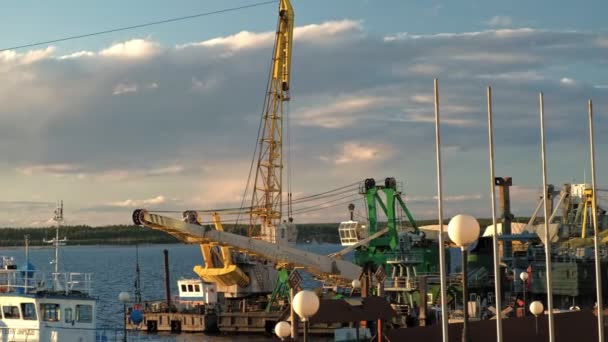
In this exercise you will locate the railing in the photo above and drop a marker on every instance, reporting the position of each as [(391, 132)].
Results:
[(18, 281)]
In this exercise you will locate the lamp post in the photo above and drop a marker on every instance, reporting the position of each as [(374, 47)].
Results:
[(306, 304), (282, 329), (524, 277), (463, 230), (356, 284), (124, 297), (536, 308)]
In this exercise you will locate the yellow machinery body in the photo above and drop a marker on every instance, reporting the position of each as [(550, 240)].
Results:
[(226, 274)]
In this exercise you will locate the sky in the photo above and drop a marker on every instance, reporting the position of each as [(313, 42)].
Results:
[(165, 117)]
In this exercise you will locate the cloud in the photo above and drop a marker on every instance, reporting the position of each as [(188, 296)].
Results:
[(129, 203), (518, 76), (447, 198), (364, 102), (424, 69), (121, 88), (352, 152), (81, 172), (29, 57), (134, 48), (313, 33), (338, 113), (568, 81), (78, 54), (499, 20), (55, 169)]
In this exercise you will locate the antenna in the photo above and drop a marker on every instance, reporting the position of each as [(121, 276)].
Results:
[(58, 218), (137, 277)]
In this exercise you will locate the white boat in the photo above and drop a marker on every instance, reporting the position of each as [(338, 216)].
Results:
[(38, 307)]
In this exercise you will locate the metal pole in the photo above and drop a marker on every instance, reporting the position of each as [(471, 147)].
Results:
[(497, 290), (596, 243), (124, 322), (442, 270), (465, 294), (293, 316), (525, 307), (167, 280), (305, 335), (547, 235)]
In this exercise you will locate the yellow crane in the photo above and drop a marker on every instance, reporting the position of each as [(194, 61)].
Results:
[(250, 275), (266, 199)]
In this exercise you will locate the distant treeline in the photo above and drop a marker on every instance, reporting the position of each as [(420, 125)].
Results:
[(130, 235)]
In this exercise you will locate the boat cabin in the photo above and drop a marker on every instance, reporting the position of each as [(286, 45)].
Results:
[(195, 291)]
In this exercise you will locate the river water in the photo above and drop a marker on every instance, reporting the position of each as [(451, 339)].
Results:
[(113, 269)]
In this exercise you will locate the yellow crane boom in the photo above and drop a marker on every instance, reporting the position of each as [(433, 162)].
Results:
[(320, 265)]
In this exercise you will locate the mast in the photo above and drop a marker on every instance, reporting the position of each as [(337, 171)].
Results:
[(266, 200), (58, 218), (137, 277)]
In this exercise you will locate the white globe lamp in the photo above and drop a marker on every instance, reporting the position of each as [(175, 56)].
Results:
[(282, 329), (536, 308), (463, 230), (523, 276), (356, 284), (306, 304), (124, 297)]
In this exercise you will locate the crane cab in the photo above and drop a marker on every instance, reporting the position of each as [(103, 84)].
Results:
[(351, 232)]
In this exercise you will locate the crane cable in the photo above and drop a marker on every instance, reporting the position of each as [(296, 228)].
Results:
[(326, 194)]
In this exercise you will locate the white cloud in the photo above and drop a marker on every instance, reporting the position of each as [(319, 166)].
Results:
[(499, 20), (167, 170), (204, 85), (424, 69), (422, 98), (430, 118), (29, 57), (339, 113), (498, 33), (515, 76), (49, 169), (325, 31), (495, 57), (314, 33), (130, 203), (78, 54), (448, 198), (134, 48), (122, 88), (568, 81), (353, 151)]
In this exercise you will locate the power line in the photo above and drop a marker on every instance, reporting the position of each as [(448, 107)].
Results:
[(125, 28)]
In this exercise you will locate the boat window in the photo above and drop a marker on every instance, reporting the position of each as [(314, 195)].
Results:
[(190, 289), (197, 288), (184, 288), (50, 312), (84, 313), (10, 311), (28, 310), (67, 312)]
